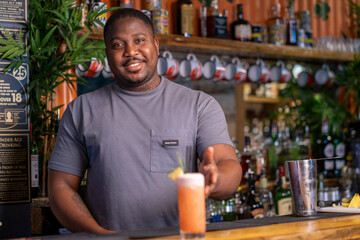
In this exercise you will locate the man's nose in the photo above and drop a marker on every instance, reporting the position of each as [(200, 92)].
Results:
[(131, 50)]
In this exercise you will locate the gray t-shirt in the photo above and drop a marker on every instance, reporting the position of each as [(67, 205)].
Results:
[(129, 140)]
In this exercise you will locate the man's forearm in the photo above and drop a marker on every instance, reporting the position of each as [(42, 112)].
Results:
[(228, 180), (72, 213)]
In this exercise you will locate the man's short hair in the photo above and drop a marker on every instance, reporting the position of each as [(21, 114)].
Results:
[(127, 12)]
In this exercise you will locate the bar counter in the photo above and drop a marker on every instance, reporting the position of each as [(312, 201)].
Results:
[(322, 226)]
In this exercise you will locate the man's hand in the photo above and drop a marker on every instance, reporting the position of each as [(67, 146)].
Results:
[(221, 169), (210, 171)]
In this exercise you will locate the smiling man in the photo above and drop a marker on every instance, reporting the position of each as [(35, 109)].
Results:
[(127, 135)]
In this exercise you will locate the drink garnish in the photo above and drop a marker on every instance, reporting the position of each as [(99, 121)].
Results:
[(175, 173)]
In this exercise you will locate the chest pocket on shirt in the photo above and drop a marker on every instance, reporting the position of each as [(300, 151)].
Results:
[(164, 145)]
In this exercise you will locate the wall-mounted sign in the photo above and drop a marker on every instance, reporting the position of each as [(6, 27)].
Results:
[(14, 168), (14, 11), (14, 99)]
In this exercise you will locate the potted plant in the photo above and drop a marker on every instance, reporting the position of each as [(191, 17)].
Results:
[(55, 48)]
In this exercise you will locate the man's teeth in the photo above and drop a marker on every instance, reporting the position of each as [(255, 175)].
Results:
[(134, 64)]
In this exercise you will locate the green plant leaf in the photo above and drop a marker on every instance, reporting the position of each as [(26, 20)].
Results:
[(47, 37), (322, 9)]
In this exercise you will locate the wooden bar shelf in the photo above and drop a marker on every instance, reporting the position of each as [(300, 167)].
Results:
[(200, 45)]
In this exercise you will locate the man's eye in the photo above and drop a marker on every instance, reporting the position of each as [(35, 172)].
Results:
[(117, 45), (139, 40)]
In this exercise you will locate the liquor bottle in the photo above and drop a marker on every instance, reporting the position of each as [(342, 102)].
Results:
[(273, 151), (291, 29), (340, 150), (253, 202), (266, 197), (276, 26), (247, 160), (282, 195), (239, 204), (228, 214), (283, 144), (241, 28), (203, 21), (216, 24), (325, 150), (34, 166), (321, 187), (185, 16), (215, 210)]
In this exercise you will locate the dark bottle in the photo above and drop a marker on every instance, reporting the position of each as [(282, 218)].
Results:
[(239, 204), (340, 149), (34, 166), (247, 160), (291, 29), (216, 24), (253, 202), (326, 150), (282, 195), (241, 28), (184, 16)]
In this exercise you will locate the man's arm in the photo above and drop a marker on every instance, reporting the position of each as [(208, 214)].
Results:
[(68, 206), (221, 169)]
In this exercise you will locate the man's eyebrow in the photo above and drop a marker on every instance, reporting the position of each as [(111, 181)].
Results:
[(133, 35), (138, 34)]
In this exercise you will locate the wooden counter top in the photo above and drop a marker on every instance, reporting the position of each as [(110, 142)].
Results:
[(345, 227)]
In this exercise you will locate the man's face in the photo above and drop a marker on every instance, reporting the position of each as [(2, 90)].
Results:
[(132, 53)]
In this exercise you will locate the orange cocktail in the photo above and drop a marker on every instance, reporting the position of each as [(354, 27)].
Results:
[(191, 202)]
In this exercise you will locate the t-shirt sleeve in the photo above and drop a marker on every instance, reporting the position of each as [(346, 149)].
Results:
[(69, 154), (212, 126)]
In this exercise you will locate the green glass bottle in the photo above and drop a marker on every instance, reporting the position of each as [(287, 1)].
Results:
[(282, 196)]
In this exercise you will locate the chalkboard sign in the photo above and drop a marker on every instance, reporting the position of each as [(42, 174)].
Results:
[(14, 99), (14, 11), (14, 168)]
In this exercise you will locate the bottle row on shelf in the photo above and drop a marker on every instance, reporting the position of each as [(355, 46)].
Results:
[(272, 140), (257, 202)]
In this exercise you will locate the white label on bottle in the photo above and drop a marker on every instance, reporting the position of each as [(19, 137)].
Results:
[(340, 150), (243, 31), (329, 165), (340, 163), (329, 150), (285, 206), (34, 170)]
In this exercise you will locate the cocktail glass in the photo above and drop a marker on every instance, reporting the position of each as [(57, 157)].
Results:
[(191, 203)]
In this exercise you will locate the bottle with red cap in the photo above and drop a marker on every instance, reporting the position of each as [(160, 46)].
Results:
[(282, 195)]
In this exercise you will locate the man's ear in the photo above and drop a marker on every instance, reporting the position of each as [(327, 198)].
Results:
[(156, 42)]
